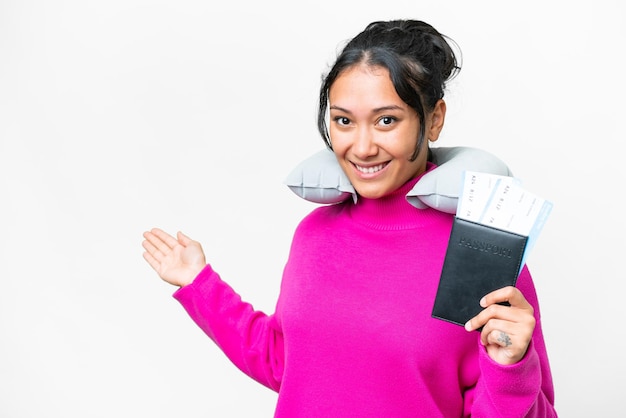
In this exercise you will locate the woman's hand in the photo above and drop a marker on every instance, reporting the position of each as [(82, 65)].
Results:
[(177, 260), (507, 330)]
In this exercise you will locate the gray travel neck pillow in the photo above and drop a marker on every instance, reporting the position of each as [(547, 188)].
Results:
[(320, 179)]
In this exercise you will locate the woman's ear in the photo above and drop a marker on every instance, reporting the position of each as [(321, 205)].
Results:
[(437, 119)]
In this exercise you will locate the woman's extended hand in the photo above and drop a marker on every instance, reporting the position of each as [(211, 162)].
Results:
[(177, 260), (507, 330)]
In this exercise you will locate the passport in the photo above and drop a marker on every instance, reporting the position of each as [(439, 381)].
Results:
[(496, 224), (478, 260)]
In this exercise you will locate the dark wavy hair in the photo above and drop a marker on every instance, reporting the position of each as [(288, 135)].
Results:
[(420, 61)]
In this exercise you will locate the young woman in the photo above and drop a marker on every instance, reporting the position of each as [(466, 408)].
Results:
[(352, 334)]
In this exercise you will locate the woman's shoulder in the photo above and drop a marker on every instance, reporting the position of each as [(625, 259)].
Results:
[(323, 215)]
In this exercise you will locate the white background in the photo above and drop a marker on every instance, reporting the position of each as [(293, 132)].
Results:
[(122, 115)]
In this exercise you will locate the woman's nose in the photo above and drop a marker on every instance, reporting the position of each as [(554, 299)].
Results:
[(364, 145)]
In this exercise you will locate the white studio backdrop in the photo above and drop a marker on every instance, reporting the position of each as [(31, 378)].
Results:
[(119, 116)]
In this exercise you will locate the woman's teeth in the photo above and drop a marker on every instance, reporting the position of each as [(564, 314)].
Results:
[(370, 170)]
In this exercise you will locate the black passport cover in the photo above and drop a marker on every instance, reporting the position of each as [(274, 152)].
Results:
[(479, 259)]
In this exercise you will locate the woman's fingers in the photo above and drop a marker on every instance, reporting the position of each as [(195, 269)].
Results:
[(158, 245), (498, 331), (153, 262), (509, 294), (177, 261), (501, 312), (163, 241), (506, 303), (507, 322), (506, 342), (183, 239), (169, 240), (153, 253)]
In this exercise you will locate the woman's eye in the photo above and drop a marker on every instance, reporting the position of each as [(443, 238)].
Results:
[(342, 120), (386, 120)]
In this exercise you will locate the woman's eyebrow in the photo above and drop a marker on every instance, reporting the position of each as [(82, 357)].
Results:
[(376, 110), (339, 108)]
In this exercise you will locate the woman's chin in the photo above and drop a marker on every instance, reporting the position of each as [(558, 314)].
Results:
[(369, 192)]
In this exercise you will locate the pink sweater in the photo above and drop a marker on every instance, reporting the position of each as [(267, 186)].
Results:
[(352, 334)]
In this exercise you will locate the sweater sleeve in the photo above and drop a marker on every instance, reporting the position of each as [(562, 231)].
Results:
[(251, 339), (524, 389)]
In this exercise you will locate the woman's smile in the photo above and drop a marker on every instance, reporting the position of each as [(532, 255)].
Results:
[(368, 170)]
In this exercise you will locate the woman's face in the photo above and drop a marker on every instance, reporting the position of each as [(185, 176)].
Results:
[(374, 133)]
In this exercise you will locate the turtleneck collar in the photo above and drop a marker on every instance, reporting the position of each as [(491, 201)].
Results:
[(393, 211)]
